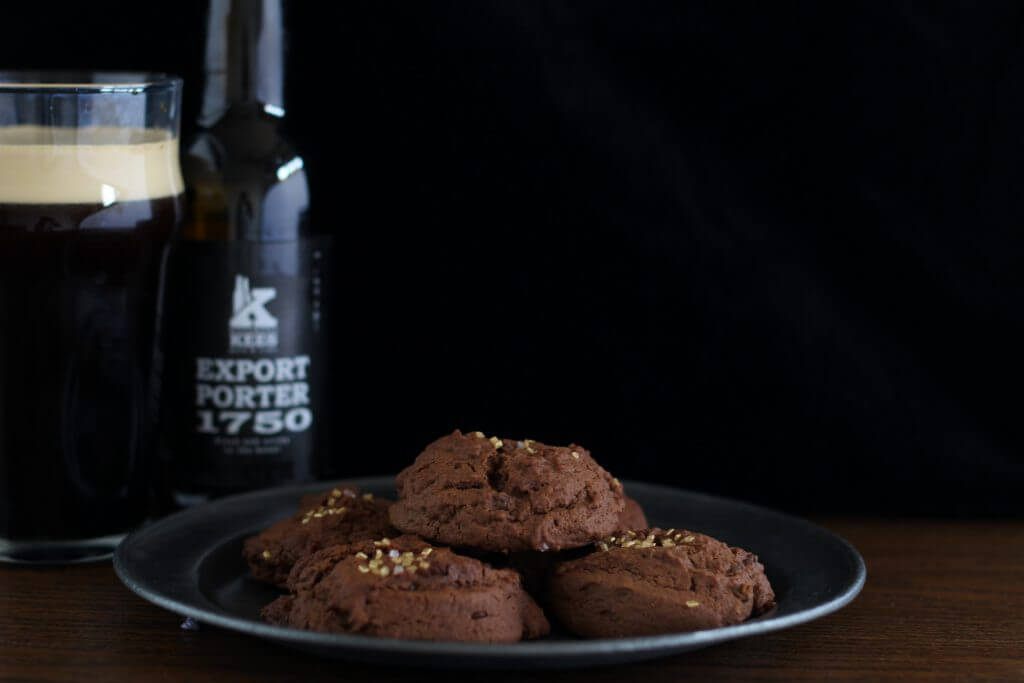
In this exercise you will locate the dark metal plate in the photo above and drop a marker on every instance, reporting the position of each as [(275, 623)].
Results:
[(190, 563)]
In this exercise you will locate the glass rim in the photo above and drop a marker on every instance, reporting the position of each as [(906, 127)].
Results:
[(85, 82)]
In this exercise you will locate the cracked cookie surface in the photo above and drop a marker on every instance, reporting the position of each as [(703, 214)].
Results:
[(650, 581), (341, 515), (406, 588), (506, 495)]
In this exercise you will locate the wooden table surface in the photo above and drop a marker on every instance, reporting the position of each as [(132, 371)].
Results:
[(943, 601)]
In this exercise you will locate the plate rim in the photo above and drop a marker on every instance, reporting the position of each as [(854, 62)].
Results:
[(662, 643)]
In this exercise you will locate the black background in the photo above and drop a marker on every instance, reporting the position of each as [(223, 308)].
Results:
[(767, 250)]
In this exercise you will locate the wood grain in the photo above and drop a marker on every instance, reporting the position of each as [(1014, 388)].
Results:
[(943, 601)]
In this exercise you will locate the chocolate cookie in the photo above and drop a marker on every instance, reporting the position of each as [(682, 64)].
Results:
[(506, 495), (653, 581), (406, 588), (632, 516), (534, 566), (342, 515)]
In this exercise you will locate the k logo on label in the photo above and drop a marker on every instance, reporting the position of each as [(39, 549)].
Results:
[(248, 305), (252, 326)]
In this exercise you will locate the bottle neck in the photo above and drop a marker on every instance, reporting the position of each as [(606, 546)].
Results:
[(244, 59)]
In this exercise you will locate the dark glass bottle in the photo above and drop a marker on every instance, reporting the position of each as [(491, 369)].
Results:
[(243, 327)]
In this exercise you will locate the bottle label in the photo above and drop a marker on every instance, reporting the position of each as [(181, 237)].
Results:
[(242, 345)]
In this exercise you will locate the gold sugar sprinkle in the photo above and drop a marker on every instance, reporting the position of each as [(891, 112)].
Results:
[(384, 571), (631, 539), (361, 555), (688, 539), (496, 442), (266, 555), (426, 551), (377, 555), (363, 568), (306, 520), (478, 435), (424, 565), (367, 496), (692, 603), (336, 493)]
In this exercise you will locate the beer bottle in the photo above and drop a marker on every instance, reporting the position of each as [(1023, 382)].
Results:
[(243, 325)]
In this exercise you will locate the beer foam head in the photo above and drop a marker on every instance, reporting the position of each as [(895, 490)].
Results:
[(102, 165)]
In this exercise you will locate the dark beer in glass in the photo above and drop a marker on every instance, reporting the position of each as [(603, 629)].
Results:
[(90, 192)]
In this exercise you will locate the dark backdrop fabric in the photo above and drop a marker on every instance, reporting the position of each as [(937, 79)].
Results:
[(766, 250)]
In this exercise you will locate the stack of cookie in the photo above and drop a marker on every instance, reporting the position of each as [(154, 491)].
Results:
[(484, 532)]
